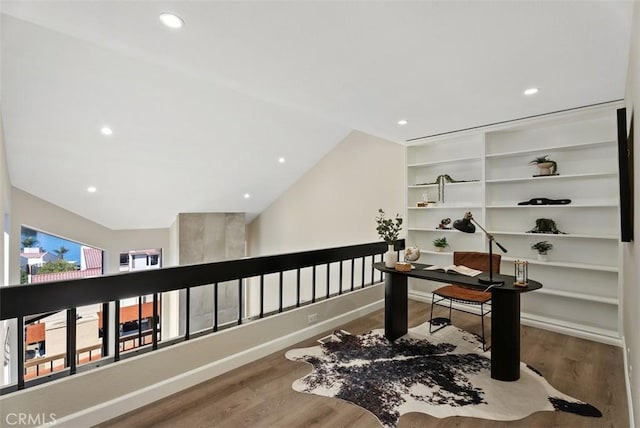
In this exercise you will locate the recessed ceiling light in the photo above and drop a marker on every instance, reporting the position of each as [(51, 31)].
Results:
[(531, 91), (282, 160), (402, 122), (106, 130), (171, 20), (247, 196), (91, 189)]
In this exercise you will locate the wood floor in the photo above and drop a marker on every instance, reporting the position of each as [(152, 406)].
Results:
[(260, 395)]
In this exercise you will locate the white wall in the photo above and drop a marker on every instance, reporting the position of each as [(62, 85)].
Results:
[(631, 251), (336, 202), (39, 214)]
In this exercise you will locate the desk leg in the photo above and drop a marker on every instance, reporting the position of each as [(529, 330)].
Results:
[(505, 336), (395, 306)]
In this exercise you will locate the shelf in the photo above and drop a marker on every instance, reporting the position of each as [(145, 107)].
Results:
[(579, 296), (433, 229), (572, 205), (461, 183), (438, 253), (548, 149), (456, 160), (556, 235), (442, 207), (552, 177), (585, 266)]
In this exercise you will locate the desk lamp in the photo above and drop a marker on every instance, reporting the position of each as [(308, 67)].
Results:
[(465, 225)]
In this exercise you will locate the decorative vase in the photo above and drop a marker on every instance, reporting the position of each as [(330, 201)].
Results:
[(542, 257), (439, 249), (390, 257), (545, 168)]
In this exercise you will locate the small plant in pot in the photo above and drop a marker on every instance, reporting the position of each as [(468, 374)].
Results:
[(546, 165), (440, 243), (542, 248)]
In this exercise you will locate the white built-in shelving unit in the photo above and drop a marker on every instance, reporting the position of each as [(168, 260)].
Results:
[(581, 277)]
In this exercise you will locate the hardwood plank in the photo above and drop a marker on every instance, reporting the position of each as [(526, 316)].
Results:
[(259, 394)]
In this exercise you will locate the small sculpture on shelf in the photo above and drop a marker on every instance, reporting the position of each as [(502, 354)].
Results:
[(542, 247), (545, 165), (440, 243), (444, 223), (545, 225), (441, 180)]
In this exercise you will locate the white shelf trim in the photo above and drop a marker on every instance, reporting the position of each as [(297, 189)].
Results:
[(460, 183), (572, 205), (443, 207), (552, 148), (552, 177), (603, 268), (559, 235), (571, 295), (470, 158)]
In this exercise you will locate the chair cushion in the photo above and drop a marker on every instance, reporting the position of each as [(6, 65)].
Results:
[(464, 295)]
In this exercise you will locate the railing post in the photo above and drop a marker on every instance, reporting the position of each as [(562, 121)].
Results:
[(261, 296), (140, 339), (240, 305), (280, 291), (187, 312), (116, 331), (215, 306), (340, 290), (313, 285), (20, 353), (297, 288), (353, 267), (71, 340), (154, 340), (328, 280), (105, 330)]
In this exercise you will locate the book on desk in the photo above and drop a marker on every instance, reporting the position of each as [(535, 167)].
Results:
[(455, 269)]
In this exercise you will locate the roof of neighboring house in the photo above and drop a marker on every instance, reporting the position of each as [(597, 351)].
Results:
[(62, 276), (32, 255), (92, 258)]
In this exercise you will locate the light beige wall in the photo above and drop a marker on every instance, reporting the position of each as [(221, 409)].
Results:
[(5, 198), (5, 208), (336, 202), (631, 251), (39, 214)]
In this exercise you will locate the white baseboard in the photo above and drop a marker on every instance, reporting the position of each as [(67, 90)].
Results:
[(551, 324), (129, 402)]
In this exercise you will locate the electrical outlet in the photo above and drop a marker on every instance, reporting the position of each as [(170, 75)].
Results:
[(312, 318)]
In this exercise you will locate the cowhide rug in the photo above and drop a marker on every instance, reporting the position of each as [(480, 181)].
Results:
[(441, 374)]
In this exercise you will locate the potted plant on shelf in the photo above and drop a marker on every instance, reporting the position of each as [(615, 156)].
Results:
[(546, 165), (542, 248), (440, 243), (388, 229)]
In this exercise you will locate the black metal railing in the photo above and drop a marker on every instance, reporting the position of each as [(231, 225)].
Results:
[(27, 302)]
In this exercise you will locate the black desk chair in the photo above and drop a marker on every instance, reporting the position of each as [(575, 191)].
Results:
[(467, 296)]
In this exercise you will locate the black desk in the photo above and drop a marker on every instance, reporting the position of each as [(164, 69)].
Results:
[(505, 313)]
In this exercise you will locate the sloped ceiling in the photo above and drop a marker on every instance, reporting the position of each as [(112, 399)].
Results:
[(201, 115)]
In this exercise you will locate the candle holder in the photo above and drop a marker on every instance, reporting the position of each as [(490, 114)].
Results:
[(521, 272)]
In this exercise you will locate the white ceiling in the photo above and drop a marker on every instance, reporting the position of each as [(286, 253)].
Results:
[(202, 114)]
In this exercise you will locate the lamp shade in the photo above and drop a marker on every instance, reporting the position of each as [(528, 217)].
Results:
[(464, 224)]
